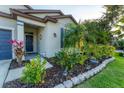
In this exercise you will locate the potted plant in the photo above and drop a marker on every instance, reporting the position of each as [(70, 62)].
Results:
[(18, 49)]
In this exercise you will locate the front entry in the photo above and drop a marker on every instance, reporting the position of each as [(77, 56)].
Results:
[(29, 42)]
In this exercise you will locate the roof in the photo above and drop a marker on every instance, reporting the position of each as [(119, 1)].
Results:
[(64, 16), (6, 15), (29, 7), (27, 11), (44, 20)]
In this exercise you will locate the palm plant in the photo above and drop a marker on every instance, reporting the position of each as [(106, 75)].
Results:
[(73, 35), (93, 36), (94, 32)]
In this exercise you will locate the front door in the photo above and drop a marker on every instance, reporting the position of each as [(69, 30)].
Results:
[(29, 43)]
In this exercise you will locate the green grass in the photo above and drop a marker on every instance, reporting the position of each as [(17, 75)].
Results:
[(111, 77)]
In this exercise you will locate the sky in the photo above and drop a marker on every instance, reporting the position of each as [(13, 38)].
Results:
[(79, 12)]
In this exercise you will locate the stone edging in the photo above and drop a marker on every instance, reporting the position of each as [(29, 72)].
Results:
[(84, 76)]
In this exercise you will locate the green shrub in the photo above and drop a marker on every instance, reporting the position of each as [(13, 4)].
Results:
[(121, 54), (109, 50), (99, 51), (34, 71), (68, 58)]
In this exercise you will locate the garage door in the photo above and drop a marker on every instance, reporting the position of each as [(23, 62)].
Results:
[(5, 46)]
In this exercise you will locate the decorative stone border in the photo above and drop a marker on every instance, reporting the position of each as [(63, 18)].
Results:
[(84, 76)]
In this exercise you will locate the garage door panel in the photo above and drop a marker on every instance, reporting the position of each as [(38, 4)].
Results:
[(5, 56), (5, 46), (4, 32), (4, 38)]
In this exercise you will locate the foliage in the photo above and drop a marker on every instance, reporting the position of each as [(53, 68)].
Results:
[(89, 33), (93, 33), (99, 51), (114, 19), (34, 71), (109, 50), (110, 17), (73, 35), (119, 44), (68, 58), (118, 29), (121, 54), (18, 48)]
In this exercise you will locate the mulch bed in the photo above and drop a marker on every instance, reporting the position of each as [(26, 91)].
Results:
[(53, 77)]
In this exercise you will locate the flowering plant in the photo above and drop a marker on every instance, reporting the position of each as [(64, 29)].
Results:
[(18, 49)]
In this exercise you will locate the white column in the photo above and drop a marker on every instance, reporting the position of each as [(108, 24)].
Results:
[(20, 32)]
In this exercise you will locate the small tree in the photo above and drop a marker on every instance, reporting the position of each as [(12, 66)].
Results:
[(73, 36), (18, 49)]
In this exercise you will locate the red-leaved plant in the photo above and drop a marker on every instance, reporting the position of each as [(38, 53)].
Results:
[(18, 49)]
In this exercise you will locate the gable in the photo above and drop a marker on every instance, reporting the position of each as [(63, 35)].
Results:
[(6, 8)]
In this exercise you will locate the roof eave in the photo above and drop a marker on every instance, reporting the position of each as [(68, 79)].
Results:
[(29, 7), (6, 15), (66, 16)]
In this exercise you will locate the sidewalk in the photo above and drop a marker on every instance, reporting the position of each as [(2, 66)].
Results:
[(4, 66)]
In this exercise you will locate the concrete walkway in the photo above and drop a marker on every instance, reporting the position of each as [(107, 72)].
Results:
[(119, 51), (4, 66), (17, 73)]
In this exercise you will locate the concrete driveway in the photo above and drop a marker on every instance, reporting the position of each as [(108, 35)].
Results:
[(4, 66)]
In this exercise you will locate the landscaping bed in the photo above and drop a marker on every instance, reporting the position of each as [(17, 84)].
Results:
[(111, 77), (53, 77)]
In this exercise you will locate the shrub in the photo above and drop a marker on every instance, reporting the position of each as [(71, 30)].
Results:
[(109, 50), (99, 51), (121, 44), (34, 71), (121, 54), (68, 58)]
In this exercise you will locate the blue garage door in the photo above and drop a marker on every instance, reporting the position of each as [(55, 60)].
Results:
[(5, 46)]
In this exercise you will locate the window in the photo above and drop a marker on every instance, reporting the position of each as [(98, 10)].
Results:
[(62, 37)]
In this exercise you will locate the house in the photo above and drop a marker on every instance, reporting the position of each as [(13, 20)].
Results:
[(41, 30)]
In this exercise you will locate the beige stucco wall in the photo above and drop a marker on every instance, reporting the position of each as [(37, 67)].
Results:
[(30, 21), (50, 44), (45, 14), (5, 8)]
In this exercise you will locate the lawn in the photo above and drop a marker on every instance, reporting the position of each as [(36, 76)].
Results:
[(111, 77)]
